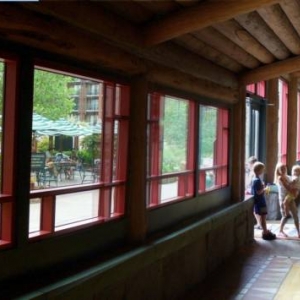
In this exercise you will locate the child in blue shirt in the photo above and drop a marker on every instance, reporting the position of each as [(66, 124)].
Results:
[(260, 205)]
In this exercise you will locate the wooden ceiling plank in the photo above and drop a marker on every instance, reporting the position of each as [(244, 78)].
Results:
[(128, 40), (29, 28), (109, 26), (186, 3), (292, 10), (275, 17), (20, 25), (128, 10), (195, 45), (197, 17), (181, 81), (218, 41), (159, 7), (256, 26), (237, 34), (271, 71), (171, 55)]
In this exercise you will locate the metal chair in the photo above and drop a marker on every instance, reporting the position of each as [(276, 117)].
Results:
[(89, 173)]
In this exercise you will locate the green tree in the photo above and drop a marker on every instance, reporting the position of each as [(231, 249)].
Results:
[(90, 148), (52, 95), (208, 125), (175, 134)]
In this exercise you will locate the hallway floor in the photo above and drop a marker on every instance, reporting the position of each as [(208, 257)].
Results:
[(263, 270)]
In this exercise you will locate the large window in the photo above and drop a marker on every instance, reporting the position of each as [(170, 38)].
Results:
[(78, 164), (172, 156), (170, 149)]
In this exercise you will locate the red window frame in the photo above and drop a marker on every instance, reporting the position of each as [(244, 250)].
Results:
[(298, 126), (251, 88), (258, 88), (7, 196), (155, 176), (112, 170), (283, 115), (261, 89)]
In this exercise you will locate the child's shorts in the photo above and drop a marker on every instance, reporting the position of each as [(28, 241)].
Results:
[(289, 198), (260, 208)]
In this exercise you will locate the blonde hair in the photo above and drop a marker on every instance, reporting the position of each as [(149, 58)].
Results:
[(258, 166), (252, 160), (296, 170), (278, 171)]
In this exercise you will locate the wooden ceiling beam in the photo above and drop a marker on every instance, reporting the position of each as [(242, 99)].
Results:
[(217, 40), (280, 24), (292, 10), (176, 57), (180, 81), (200, 48), (167, 54), (251, 22), (238, 35), (99, 21), (19, 25), (197, 17), (271, 71)]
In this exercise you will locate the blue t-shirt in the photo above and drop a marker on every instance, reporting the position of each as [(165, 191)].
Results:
[(259, 199)]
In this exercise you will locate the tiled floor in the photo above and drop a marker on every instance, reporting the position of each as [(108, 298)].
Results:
[(263, 270)]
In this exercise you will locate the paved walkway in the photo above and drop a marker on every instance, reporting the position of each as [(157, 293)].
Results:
[(262, 270)]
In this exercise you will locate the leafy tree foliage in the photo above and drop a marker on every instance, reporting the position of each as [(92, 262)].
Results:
[(52, 95), (90, 148), (208, 125), (175, 134)]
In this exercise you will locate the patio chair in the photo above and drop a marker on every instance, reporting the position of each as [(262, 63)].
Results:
[(89, 173), (46, 176)]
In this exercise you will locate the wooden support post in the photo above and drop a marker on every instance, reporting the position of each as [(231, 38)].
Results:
[(24, 88), (272, 129), (136, 191), (238, 146), (292, 123)]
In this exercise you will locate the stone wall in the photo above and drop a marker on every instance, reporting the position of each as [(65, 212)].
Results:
[(165, 268)]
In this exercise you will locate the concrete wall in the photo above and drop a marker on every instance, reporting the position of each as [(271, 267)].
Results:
[(164, 268)]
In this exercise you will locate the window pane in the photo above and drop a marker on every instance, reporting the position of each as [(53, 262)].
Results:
[(170, 136), (67, 126), (174, 124), (34, 215), (72, 208), (208, 129)]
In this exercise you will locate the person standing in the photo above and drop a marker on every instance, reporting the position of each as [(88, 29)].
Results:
[(248, 181), (260, 205), (283, 181)]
